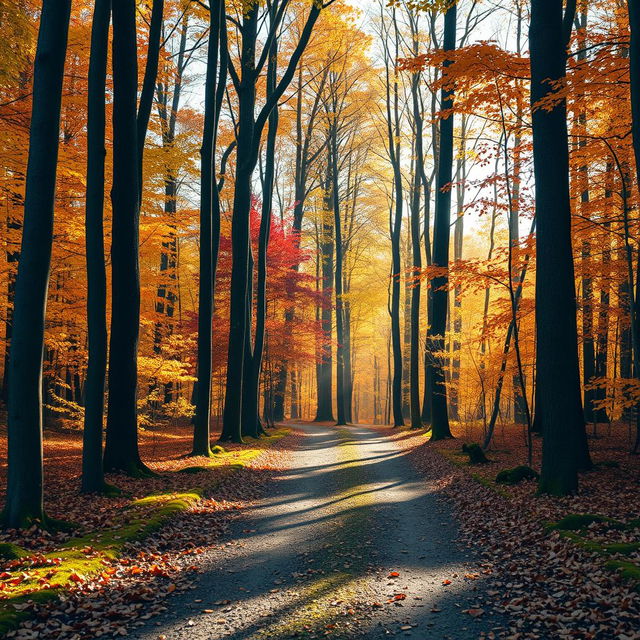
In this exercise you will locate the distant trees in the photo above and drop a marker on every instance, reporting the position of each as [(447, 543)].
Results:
[(314, 231), (249, 134)]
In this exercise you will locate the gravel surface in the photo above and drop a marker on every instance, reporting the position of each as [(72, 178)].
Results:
[(350, 543)]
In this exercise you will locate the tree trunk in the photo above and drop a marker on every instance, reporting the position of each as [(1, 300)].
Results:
[(558, 377), (253, 426), (324, 410), (215, 84), (121, 448), (442, 222), (23, 505), (92, 470)]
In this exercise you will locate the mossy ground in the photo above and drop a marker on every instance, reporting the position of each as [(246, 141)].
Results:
[(42, 577), (575, 526)]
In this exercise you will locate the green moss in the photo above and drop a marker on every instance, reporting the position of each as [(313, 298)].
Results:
[(10, 551), (633, 524), (516, 475), (84, 556), (193, 469), (580, 521), (485, 482), (475, 453), (628, 570), (217, 450)]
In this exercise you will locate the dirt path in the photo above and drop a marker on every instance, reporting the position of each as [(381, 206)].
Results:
[(319, 556)]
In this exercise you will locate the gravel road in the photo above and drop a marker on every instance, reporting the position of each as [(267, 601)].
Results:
[(350, 543)]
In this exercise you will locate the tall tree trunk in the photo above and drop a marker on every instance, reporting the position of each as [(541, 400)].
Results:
[(634, 59), (416, 246), (215, 85), (324, 410), (121, 447), (442, 222), (458, 238), (602, 329), (23, 505), (395, 223), (253, 426), (348, 358), (337, 224), (558, 378), (92, 470), (149, 83)]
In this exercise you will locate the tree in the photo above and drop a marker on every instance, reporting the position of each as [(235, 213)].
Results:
[(215, 86), (121, 446), (23, 505), (393, 150), (558, 376), (249, 133), (441, 231), (92, 471)]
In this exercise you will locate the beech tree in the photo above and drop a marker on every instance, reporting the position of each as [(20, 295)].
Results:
[(559, 406), (23, 505), (92, 473), (441, 233), (121, 446)]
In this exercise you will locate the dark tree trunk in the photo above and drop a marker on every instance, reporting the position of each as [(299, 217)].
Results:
[(23, 505), (339, 248), (278, 394), (395, 224), (634, 60), (252, 426), (558, 378), (215, 84), (92, 470), (121, 448), (602, 329), (441, 229), (416, 245), (324, 410), (149, 83), (348, 360)]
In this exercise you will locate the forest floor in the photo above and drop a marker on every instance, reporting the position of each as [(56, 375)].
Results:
[(357, 532)]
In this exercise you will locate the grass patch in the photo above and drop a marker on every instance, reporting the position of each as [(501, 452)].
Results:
[(581, 521), (628, 570), (45, 576), (573, 527), (10, 551)]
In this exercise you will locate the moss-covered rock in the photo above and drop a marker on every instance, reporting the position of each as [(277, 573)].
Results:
[(475, 453), (516, 475)]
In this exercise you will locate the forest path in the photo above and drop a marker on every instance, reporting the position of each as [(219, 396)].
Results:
[(315, 557)]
